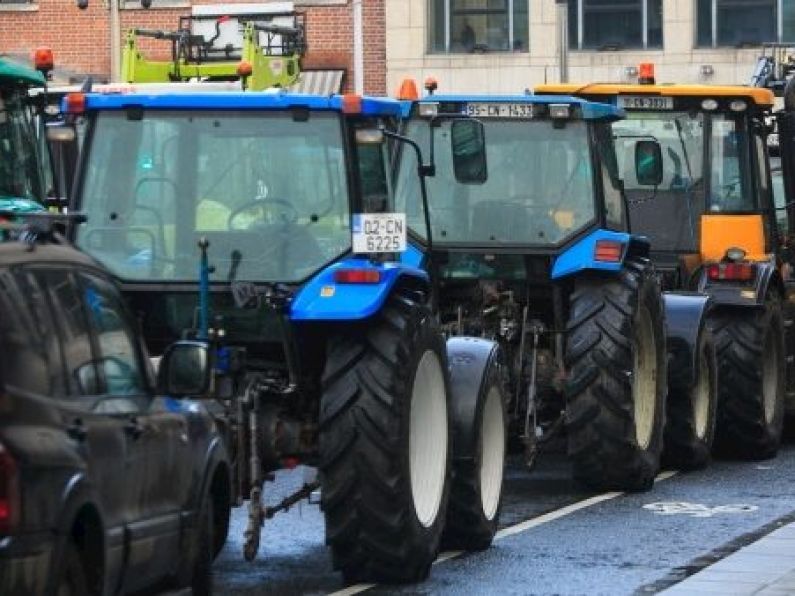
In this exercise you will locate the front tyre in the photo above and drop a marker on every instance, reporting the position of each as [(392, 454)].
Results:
[(615, 353), (476, 494), (385, 444)]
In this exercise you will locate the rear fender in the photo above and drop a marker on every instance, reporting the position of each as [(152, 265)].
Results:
[(323, 299), (471, 361), (768, 279), (685, 317), (580, 256)]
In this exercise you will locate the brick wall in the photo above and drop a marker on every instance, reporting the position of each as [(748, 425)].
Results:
[(79, 38)]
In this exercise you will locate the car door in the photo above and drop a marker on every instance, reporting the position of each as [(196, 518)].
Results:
[(101, 440), (160, 433)]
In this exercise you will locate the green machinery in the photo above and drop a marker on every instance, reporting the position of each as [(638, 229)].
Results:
[(270, 55)]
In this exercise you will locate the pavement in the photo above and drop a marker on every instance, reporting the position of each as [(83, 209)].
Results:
[(764, 568)]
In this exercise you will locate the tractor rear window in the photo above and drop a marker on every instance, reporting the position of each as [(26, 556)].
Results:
[(268, 192), (540, 186)]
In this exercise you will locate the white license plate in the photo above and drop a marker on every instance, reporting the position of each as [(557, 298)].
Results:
[(498, 110), (379, 232), (645, 102)]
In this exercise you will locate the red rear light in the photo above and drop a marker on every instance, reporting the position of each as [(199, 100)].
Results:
[(731, 271), (75, 103), (9, 492), (608, 251), (357, 276)]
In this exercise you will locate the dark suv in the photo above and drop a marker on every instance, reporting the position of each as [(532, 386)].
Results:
[(106, 486)]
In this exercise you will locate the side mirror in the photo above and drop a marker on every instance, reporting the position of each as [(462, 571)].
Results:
[(648, 163), (468, 142), (184, 370)]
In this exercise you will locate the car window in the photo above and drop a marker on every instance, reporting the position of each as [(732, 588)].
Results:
[(118, 358), (24, 360), (73, 330)]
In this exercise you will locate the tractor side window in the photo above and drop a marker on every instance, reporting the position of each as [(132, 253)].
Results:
[(373, 180), (730, 185)]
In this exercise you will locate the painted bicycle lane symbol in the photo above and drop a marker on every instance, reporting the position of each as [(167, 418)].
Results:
[(697, 509)]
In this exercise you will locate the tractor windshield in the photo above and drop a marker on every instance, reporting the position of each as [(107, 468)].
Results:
[(21, 169), (266, 190), (669, 213), (540, 186)]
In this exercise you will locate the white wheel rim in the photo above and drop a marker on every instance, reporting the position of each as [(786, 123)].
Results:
[(428, 439), (492, 454), (644, 379), (702, 394), (770, 378)]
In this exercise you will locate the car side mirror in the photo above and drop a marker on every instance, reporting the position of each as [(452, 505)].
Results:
[(468, 143), (648, 163), (184, 370)]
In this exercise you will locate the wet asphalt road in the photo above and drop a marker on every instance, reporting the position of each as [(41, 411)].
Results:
[(611, 544)]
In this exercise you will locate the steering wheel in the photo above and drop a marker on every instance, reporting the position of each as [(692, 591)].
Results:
[(287, 212)]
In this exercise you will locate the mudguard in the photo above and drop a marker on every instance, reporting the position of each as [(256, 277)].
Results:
[(323, 299), (580, 256), (685, 317), (471, 360), (753, 296)]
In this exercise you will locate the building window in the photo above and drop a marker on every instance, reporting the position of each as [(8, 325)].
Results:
[(615, 24), (744, 22), (467, 26)]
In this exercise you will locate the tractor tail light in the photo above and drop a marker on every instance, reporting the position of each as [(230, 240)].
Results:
[(357, 276), (75, 103), (731, 271), (9, 492), (608, 251)]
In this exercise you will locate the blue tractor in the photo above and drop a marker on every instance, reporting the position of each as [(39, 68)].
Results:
[(539, 257), (314, 341)]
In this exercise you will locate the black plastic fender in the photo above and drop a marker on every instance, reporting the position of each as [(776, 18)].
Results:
[(471, 361), (730, 294), (685, 317)]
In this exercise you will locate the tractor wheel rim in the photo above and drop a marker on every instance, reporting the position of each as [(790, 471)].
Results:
[(770, 377), (492, 455), (428, 439), (644, 379), (702, 394)]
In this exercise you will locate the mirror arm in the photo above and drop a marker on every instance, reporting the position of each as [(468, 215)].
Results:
[(423, 170)]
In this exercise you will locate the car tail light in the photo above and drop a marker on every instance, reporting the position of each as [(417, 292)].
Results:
[(9, 492), (608, 251), (731, 271), (357, 276)]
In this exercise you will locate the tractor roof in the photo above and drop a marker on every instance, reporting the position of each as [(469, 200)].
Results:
[(590, 110), (760, 97), (13, 72), (251, 100)]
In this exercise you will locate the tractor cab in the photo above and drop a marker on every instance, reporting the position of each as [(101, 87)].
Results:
[(25, 176), (706, 147)]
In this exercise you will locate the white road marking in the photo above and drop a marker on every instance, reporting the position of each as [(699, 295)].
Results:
[(696, 509), (516, 529)]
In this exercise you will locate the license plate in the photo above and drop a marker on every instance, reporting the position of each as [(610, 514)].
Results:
[(498, 110), (379, 232), (645, 102)]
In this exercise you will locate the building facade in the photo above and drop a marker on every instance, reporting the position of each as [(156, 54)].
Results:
[(509, 45), (80, 39)]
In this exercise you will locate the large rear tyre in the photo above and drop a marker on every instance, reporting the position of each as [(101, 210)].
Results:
[(385, 444), (692, 410), (476, 494), (751, 368), (615, 353)]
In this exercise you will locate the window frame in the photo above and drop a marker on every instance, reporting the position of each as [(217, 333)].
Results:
[(577, 41), (713, 25), (448, 12)]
